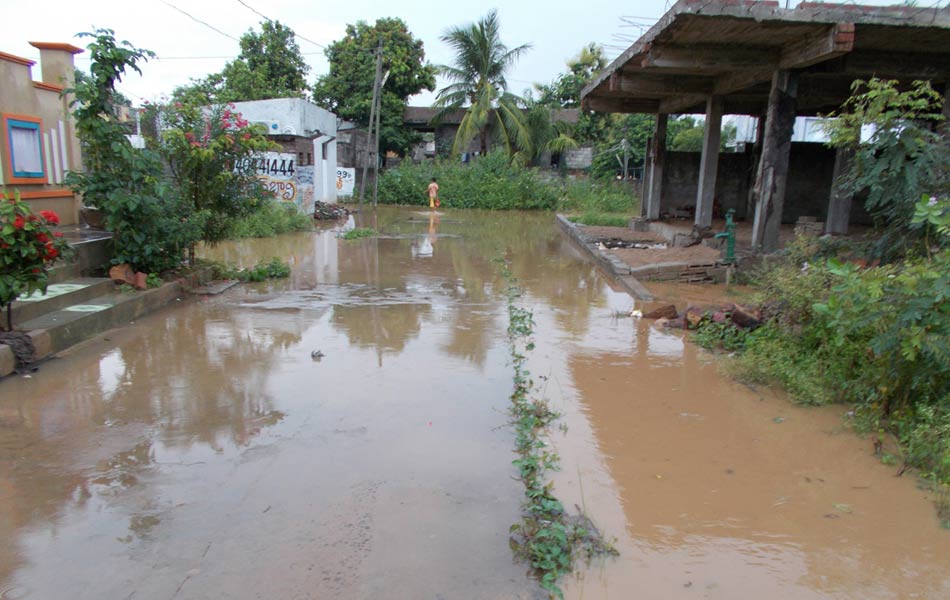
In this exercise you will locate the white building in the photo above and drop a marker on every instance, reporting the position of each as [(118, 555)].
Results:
[(307, 135)]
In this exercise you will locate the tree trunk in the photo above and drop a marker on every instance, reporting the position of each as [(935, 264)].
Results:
[(484, 140)]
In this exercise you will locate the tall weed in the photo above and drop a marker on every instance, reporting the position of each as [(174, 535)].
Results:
[(274, 218)]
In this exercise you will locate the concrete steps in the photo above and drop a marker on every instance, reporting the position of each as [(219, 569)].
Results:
[(85, 317), (59, 295), (78, 308)]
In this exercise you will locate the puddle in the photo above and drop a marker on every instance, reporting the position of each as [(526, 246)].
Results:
[(714, 490), (204, 452)]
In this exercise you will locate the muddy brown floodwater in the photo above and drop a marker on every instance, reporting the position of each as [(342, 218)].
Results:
[(202, 453)]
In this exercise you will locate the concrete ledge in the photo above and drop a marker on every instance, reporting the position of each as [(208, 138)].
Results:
[(615, 268), (7, 360), (42, 343)]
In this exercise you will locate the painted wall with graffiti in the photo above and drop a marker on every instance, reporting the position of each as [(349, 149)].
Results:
[(287, 181)]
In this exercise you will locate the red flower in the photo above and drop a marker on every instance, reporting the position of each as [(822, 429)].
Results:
[(42, 238), (51, 217), (57, 234), (246, 136), (51, 251), (19, 222)]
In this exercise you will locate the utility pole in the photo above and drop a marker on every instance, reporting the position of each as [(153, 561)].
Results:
[(372, 116), (379, 112), (626, 157)]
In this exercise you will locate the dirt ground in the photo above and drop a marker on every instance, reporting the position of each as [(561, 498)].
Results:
[(695, 255), (622, 233)]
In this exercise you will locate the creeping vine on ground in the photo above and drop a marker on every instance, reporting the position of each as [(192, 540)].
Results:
[(548, 536)]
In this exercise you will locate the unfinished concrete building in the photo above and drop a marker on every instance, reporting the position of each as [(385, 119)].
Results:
[(721, 57)]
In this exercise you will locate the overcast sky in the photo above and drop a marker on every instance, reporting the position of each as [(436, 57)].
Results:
[(557, 29)]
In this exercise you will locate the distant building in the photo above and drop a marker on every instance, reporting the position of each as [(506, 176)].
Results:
[(304, 170), (38, 143)]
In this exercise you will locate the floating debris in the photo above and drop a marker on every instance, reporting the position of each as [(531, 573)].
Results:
[(611, 243), (329, 212)]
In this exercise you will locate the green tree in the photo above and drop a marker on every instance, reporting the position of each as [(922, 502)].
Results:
[(687, 135), (347, 89), (270, 66), (150, 226), (478, 83), (565, 90), (903, 159), (211, 157)]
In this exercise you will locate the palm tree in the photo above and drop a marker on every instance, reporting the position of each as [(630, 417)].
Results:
[(477, 78)]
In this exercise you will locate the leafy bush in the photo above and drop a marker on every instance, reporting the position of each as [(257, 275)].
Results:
[(275, 269), (210, 154), (150, 225), (153, 280), (720, 336), (27, 248), (902, 159), (490, 182), (273, 218)]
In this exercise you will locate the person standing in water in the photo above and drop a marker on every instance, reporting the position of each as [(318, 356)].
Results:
[(433, 194)]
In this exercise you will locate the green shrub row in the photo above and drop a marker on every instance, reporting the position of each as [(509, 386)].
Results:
[(877, 337), (490, 183)]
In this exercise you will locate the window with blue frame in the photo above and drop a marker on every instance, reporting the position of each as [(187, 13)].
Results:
[(25, 145)]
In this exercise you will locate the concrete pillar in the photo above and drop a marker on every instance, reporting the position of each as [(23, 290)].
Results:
[(772, 175), (709, 162), (647, 174), (754, 169), (657, 164), (839, 204)]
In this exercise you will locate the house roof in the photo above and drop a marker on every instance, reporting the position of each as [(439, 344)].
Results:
[(731, 48)]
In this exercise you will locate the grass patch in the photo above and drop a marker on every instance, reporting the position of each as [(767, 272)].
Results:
[(272, 269), (274, 218), (596, 219), (595, 196), (359, 233)]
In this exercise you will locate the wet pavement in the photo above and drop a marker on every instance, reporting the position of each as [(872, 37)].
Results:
[(202, 452)]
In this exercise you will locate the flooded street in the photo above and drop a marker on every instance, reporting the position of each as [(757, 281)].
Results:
[(202, 452)]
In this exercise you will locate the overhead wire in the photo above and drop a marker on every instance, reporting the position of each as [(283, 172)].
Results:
[(260, 14), (197, 20)]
